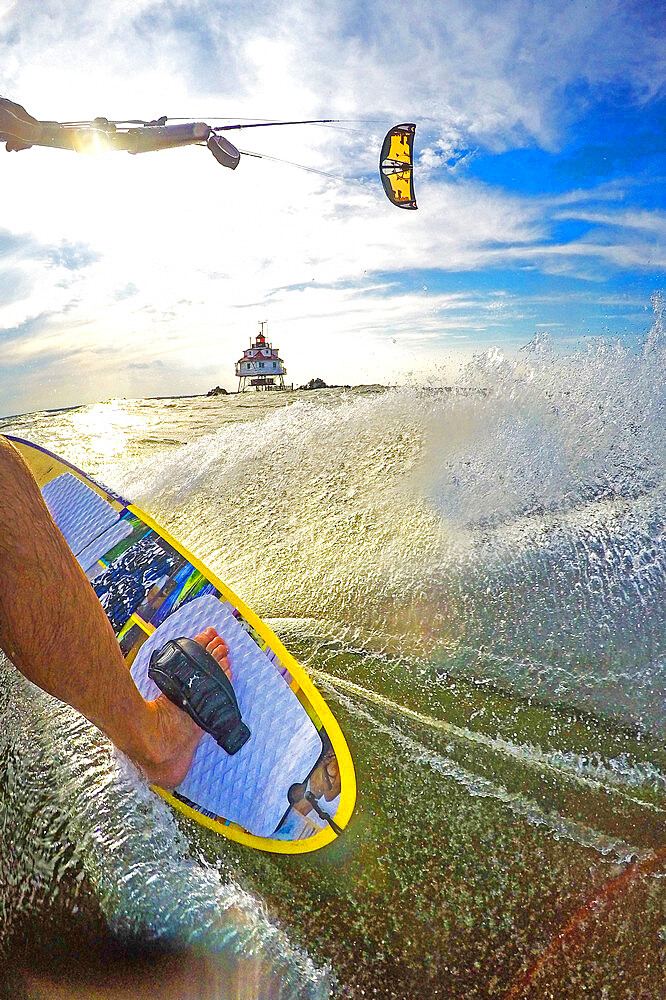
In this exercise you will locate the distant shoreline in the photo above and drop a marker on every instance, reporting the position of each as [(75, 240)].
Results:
[(186, 395), (5, 418)]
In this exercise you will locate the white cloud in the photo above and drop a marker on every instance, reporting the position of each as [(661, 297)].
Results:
[(476, 69), (653, 222)]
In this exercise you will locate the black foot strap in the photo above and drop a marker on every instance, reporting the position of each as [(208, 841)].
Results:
[(193, 680)]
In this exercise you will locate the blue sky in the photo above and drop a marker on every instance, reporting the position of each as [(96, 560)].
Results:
[(540, 181)]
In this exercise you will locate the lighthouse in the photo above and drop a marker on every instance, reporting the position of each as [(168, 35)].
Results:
[(260, 365)]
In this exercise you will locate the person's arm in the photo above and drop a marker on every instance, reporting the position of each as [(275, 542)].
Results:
[(55, 631)]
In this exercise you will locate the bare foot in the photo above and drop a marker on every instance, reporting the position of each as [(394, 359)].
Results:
[(177, 735)]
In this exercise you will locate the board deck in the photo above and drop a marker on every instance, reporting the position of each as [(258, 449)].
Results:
[(152, 589)]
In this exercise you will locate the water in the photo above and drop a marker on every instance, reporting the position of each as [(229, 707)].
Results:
[(475, 579)]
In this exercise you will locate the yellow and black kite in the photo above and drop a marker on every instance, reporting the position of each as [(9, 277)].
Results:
[(396, 166)]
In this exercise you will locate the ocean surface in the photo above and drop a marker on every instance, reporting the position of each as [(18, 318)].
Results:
[(475, 578)]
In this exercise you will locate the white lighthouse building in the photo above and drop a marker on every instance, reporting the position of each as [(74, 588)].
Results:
[(261, 366)]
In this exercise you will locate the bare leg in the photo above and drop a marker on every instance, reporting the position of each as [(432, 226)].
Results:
[(55, 631)]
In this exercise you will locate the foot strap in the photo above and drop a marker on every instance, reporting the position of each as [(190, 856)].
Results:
[(193, 680)]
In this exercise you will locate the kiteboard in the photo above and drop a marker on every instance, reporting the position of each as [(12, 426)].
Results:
[(291, 787)]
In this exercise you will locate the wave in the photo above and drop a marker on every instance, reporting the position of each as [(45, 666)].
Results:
[(510, 529)]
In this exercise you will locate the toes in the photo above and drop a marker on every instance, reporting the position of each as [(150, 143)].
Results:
[(216, 646), (206, 636), (223, 661)]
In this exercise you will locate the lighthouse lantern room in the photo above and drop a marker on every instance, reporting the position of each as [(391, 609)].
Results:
[(260, 366)]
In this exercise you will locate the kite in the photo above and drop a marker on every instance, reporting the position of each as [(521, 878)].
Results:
[(19, 130), (396, 165)]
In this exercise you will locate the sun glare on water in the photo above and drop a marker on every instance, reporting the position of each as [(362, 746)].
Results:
[(107, 426)]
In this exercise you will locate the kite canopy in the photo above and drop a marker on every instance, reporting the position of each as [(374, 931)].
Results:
[(396, 165)]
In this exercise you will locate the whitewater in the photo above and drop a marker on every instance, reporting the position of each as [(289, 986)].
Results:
[(475, 577)]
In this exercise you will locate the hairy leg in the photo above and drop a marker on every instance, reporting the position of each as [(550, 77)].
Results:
[(55, 631)]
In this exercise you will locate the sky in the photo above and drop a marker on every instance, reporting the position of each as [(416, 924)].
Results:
[(540, 161)]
